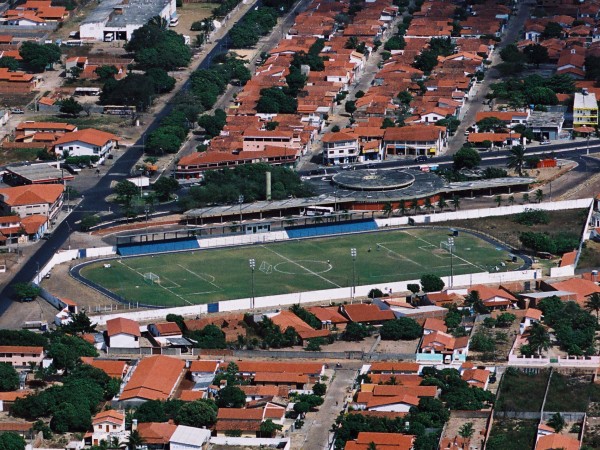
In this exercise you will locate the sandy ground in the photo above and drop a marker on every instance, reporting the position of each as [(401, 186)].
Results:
[(190, 13), (455, 423)]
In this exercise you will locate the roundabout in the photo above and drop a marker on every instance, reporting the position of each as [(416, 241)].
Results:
[(374, 180)]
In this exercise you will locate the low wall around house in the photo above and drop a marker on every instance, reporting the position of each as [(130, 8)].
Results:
[(252, 442), (569, 361), (566, 271)]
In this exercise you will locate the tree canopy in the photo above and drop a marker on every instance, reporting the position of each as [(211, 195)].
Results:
[(466, 158), (403, 328), (199, 414), (231, 397), (9, 378), (36, 57), (431, 283)]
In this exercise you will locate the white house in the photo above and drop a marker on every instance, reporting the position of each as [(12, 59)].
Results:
[(340, 148), (399, 403), (439, 347), (118, 19), (203, 372), (432, 325), (532, 316), (108, 425), (88, 142), (122, 333), (189, 438)]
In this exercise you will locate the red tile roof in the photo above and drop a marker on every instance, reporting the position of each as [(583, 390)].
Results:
[(204, 366), (285, 377), (167, 328), (554, 441), (12, 396), (568, 259), (21, 349), (114, 369), (122, 325), (395, 367), (190, 396), (111, 416), (155, 433), (328, 314), (435, 325), (32, 194), (154, 378), (287, 319), (367, 312), (279, 367), (240, 414), (88, 136)]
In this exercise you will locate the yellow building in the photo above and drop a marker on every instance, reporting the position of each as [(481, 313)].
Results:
[(585, 110)]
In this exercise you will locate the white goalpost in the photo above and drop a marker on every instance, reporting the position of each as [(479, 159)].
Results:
[(151, 278)]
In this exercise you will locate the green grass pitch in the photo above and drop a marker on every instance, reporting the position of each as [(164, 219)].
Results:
[(204, 276)]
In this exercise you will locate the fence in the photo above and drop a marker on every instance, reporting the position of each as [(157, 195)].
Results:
[(283, 444), (358, 355)]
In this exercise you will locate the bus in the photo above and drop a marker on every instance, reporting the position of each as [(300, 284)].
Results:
[(317, 210), (118, 110)]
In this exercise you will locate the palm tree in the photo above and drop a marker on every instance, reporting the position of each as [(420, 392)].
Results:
[(135, 440), (159, 22), (593, 304), (538, 339), (402, 207), (467, 430), (388, 209), (511, 200), (456, 202), (442, 204), (539, 195), (415, 204), (525, 197), (516, 159), (428, 204), (498, 200)]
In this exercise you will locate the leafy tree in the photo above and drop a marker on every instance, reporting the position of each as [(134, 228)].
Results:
[(164, 140), (268, 428), (22, 337), (466, 158), (516, 159), (9, 378), (538, 339), (466, 430), (231, 397), (213, 124), (12, 441), (350, 107), (106, 72), (490, 124), (539, 195), (198, 414), (557, 422), (453, 318), (511, 54), (71, 107), (211, 336), (489, 322), (10, 63), (431, 283), (481, 342), (165, 187), (295, 81), (274, 100), (37, 57), (319, 389), (536, 54), (25, 291), (375, 293), (355, 332), (88, 221), (306, 316), (133, 90), (552, 30), (66, 350), (135, 440), (426, 61), (505, 319), (402, 328), (395, 43), (80, 323), (450, 122), (161, 79), (179, 320), (542, 96), (125, 191), (314, 345)]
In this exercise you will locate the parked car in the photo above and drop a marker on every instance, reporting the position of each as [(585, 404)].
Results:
[(17, 111), (421, 158), (545, 143)]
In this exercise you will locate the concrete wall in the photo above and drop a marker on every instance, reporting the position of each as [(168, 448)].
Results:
[(227, 241), (251, 442), (486, 212), (567, 271)]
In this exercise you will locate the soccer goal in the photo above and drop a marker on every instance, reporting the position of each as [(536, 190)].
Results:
[(151, 278), (265, 267)]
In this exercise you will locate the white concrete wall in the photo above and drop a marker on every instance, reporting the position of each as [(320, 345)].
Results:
[(123, 340), (567, 271), (225, 241), (250, 442), (485, 212)]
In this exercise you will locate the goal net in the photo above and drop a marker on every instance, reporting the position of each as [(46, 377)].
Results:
[(265, 267), (151, 278), (444, 245)]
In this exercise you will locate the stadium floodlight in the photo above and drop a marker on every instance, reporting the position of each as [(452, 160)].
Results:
[(451, 246), (353, 254), (241, 202), (252, 263)]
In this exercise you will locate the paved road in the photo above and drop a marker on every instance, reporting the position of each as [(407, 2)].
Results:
[(95, 198), (315, 434), (480, 90)]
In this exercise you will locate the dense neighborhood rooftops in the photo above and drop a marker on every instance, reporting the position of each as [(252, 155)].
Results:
[(110, 416), (88, 136), (154, 378), (155, 433), (122, 325), (113, 368), (21, 349), (31, 194), (366, 312)]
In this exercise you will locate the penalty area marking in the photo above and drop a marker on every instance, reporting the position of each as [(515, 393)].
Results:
[(211, 282)]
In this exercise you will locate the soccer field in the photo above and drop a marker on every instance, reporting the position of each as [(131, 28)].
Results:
[(204, 276)]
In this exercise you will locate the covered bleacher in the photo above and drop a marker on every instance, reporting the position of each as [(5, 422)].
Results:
[(163, 246), (326, 229)]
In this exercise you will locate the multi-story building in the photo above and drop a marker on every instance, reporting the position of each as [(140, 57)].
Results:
[(340, 148), (585, 110), (21, 356)]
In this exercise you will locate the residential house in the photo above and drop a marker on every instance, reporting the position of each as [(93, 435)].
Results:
[(444, 298), (155, 435), (264, 393), (387, 441), (510, 118), (287, 319), (476, 377), (203, 372), (8, 398), (581, 288), (17, 82), (27, 131), (428, 140), (88, 142), (41, 199), (532, 316), (572, 62), (13, 229), (154, 378), (439, 347), (248, 369), (400, 403), (495, 139), (366, 313), (112, 368), (432, 325), (546, 125), (290, 380), (386, 367), (106, 426), (585, 110), (21, 356), (189, 438), (165, 329), (340, 148), (231, 324), (122, 333), (248, 420), (330, 317), (556, 441), (494, 298)]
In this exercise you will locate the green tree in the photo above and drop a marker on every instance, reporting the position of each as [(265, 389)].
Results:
[(375, 293), (295, 81), (10, 63), (179, 320), (213, 124), (466, 158), (135, 440), (66, 351), (426, 61), (557, 422), (165, 187), (198, 414), (161, 79), (525, 197), (164, 140), (25, 291), (481, 342), (456, 202), (498, 200), (553, 30), (350, 107), (80, 323), (106, 72), (539, 195), (538, 339), (88, 221), (490, 124), (9, 378), (126, 191), (274, 100), (388, 209), (70, 107), (133, 90), (536, 54), (268, 428), (431, 283), (505, 319), (403, 328), (593, 304), (37, 57), (355, 332), (231, 397), (11, 441), (466, 430), (516, 159), (319, 389)]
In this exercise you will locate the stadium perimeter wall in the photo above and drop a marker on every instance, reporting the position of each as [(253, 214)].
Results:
[(325, 295)]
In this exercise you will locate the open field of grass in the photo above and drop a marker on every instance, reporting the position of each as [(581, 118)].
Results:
[(508, 434), (521, 391), (570, 394), (104, 122), (204, 276)]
